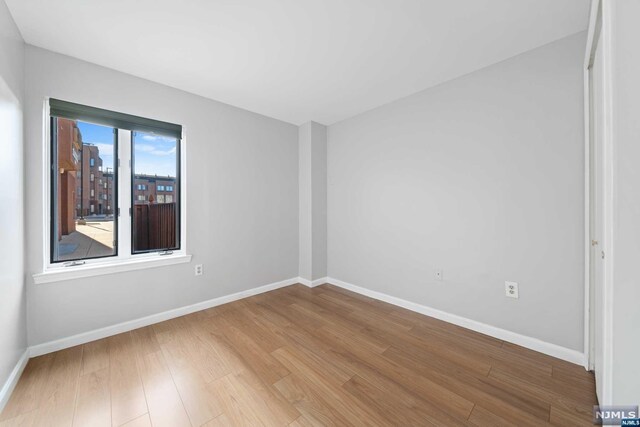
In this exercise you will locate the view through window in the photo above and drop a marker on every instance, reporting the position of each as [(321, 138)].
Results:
[(155, 210), (84, 190)]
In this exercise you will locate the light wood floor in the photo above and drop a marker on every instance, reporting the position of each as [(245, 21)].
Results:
[(300, 357)]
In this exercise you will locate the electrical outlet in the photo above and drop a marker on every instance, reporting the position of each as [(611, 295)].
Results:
[(438, 274), (199, 269), (511, 289)]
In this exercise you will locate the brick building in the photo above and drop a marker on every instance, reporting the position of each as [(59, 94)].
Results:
[(92, 197), (154, 189), (69, 151)]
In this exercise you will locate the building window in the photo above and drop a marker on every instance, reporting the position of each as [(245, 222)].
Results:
[(160, 187), (169, 187), (148, 149), (168, 198), (160, 198)]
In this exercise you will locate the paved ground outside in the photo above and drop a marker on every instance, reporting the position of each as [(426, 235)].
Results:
[(94, 239)]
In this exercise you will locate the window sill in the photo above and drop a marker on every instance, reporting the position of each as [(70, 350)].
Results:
[(59, 274)]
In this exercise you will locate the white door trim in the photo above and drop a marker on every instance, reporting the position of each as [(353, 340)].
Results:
[(600, 24)]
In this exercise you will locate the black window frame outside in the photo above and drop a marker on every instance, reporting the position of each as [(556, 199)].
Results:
[(117, 121), (53, 230), (178, 200)]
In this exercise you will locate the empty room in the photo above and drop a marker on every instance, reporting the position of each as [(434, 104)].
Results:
[(319, 212)]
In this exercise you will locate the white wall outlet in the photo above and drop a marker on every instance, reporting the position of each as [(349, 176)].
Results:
[(438, 274), (511, 289), (199, 270)]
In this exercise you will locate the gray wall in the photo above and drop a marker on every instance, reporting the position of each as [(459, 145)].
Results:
[(305, 221), (312, 139), (319, 199), (483, 177), (13, 329), (626, 238), (242, 208)]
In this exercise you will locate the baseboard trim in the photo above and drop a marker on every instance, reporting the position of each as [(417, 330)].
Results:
[(10, 384), (550, 349), (536, 344), (320, 281), (85, 337), (305, 282), (312, 283)]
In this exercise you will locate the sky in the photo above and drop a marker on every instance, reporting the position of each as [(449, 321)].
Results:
[(153, 154)]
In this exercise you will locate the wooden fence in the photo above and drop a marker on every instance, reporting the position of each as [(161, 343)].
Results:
[(154, 227)]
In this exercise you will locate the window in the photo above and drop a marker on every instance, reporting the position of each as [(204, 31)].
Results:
[(154, 222), (160, 198), (168, 198), (130, 152), (169, 187), (160, 187)]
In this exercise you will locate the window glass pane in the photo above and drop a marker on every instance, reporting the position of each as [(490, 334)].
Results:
[(155, 167), (83, 223)]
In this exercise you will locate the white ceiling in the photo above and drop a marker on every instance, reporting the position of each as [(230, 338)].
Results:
[(297, 60)]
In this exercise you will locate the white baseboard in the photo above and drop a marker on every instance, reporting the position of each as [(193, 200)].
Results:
[(130, 325), (554, 350), (314, 283), (10, 384), (320, 281), (536, 344), (304, 281)]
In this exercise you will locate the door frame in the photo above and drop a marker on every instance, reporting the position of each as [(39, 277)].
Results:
[(599, 37)]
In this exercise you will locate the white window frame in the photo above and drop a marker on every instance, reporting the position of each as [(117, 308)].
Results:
[(125, 260)]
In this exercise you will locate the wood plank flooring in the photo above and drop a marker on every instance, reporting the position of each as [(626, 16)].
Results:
[(300, 357)]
